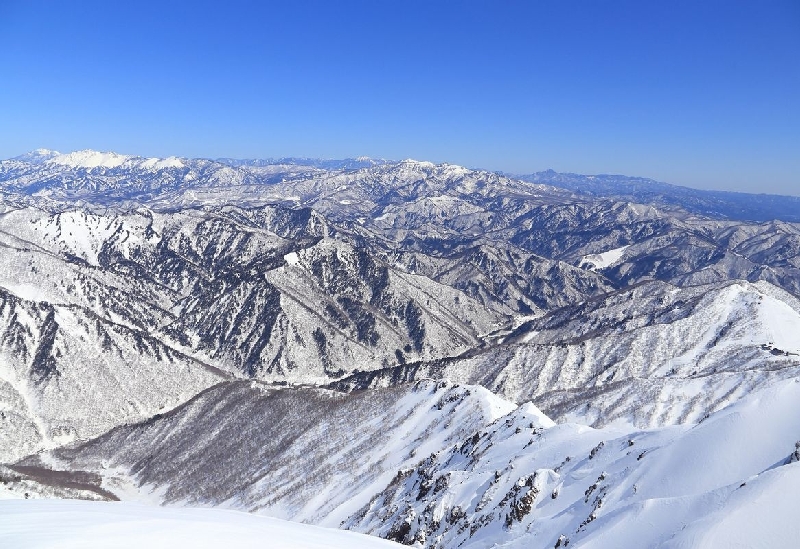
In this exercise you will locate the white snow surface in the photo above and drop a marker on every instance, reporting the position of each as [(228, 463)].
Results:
[(64, 524), (520, 481), (160, 163), (336, 454), (96, 159), (667, 355), (291, 258), (603, 260), (90, 159), (730, 481)]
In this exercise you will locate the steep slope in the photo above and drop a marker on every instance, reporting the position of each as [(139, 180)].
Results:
[(307, 454), (149, 308), (258, 291), (505, 278), (451, 467), (66, 373), (524, 482), (652, 355), (437, 210), (135, 290), (709, 253)]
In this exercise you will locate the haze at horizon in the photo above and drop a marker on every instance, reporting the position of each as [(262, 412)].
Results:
[(696, 94)]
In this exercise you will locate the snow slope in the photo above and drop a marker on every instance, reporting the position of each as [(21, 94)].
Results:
[(129, 285), (447, 467), (108, 319), (730, 481), (603, 260), (651, 355), (60, 524), (306, 454)]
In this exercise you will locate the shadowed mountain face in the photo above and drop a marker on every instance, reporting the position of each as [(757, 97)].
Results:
[(253, 446), (386, 267), (126, 303), (243, 334), (440, 465)]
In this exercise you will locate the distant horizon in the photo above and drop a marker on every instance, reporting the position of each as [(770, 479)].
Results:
[(699, 94), (395, 160)]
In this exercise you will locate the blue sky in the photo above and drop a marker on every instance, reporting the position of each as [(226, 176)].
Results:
[(699, 93)]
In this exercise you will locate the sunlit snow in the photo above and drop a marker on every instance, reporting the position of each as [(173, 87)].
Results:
[(603, 260), (63, 524), (90, 159)]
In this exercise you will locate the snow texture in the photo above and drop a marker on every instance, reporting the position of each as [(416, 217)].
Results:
[(54, 524)]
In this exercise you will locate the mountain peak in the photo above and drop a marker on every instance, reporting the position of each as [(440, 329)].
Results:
[(37, 156), (89, 158), (420, 163)]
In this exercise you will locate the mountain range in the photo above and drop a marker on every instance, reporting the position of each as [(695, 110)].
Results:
[(431, 354)]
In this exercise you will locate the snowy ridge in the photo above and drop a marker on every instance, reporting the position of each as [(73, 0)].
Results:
[(38, 156), (95, 159), (264, 442), (463, 469), (48, 355), (88, 296), (90, 159), (651, 355), (523, 484)]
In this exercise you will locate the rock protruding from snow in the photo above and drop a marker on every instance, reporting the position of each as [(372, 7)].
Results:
[(302, 453), (516, 485)]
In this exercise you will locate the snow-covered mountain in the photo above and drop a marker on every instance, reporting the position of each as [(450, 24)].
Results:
[(299, 453), (283, 337), (716, 204), (447, 466), (525, 482), (651, 355), (179, 301)]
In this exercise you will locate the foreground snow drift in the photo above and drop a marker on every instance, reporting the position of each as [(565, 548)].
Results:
[(66, 524)]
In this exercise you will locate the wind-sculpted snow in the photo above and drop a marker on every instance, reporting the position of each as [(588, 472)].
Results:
[(524, 482), (302, 453), (651, 355)]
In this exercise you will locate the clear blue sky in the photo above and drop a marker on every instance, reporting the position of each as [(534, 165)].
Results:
[(699, 93)]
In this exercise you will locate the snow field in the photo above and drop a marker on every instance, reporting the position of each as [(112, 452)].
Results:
[(66, 524)]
